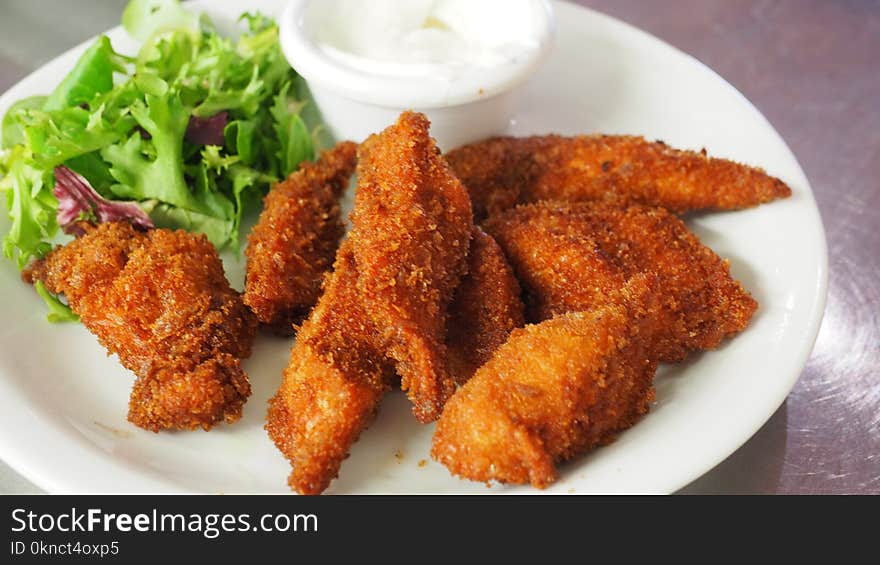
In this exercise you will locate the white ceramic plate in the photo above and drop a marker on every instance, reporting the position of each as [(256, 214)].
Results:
[(63, 401)]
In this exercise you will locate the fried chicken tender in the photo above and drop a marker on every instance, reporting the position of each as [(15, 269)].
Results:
[(560, 272), (701, 303), (486, 307), (412, 225), (553, 391), (159, 300), (504, 171), (294, 242), (333, 384)]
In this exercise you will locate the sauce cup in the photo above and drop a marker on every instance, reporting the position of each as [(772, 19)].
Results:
[(358, 96)]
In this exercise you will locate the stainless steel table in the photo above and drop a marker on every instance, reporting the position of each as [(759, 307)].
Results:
[(811, 67)]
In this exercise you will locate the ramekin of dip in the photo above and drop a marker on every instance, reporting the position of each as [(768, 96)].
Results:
[(458, 61)]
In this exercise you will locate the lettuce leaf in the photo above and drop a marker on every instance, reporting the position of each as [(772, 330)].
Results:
[(294, 140), (144, 18), (121, 123), (92, 74), (55, 137), (219, 231), (58, 311), (140, 177), (78, 201), (12, 130), (31, 209)]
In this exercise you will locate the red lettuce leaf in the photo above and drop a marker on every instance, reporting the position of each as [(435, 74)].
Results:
[(78, 201), (207, 131)]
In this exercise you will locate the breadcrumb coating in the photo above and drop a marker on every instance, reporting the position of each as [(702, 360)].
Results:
[(559, 271), (504, 171), (161, 302), (294, 242), (553, 391), (412, 225), (333, 384), (486, 307), (701, 303)]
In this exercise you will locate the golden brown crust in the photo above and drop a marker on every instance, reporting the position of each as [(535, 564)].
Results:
[(553, 391), (183, 395), (504, 171), (161, 301), (560, 272), (333, 384), (293, 244), (702, 303), (486, 307), (411, 230)]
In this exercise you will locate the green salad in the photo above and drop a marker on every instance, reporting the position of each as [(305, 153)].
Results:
[(189, 133)]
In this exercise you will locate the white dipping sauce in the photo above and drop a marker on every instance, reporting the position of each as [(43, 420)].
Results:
[(458, 61), (440, 39)]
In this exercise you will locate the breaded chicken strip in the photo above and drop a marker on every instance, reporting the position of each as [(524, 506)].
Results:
[(412, 226), (559, 271), (333, 384), (486, 307), (701, 303), (553, 391), (294, 242), (160, 301), (504, 171)]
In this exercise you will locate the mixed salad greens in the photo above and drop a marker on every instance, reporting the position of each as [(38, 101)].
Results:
[(189, 133)]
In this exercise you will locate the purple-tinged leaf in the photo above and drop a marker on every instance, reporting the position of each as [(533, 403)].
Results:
[(207, 131), (78, 201)]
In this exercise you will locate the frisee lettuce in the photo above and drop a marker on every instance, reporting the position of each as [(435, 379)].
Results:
[(121, 122), (58, 311)]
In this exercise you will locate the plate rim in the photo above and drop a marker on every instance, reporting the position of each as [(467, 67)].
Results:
[(821, 283)]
